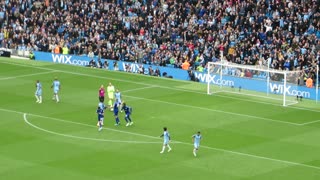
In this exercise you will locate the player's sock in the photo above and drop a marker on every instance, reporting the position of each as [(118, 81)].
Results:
[(126, 119), (169, 148), (40, 99), (163, 148), (37, 98), (129, 118), (117, 121), (54, 97), (57, 98)]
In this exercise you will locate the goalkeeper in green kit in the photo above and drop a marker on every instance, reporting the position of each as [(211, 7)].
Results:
[(110, 91)]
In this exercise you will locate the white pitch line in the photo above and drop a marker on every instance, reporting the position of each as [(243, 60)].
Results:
[(177, 142), (57, 119), (137, 89), (27, 75), (165, 87), (215, 110), (207, 147), (184, 105), (84, 138), (148, 86), (311, 122)]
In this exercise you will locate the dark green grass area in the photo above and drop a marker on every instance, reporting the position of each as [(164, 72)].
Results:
[(244, 137)]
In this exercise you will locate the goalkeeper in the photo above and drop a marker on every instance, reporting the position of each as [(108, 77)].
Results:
[(110, 91)]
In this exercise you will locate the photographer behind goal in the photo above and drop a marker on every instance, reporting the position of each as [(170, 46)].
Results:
[(192, 76)]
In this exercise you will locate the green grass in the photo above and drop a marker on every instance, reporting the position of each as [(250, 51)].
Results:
[(244, 137)]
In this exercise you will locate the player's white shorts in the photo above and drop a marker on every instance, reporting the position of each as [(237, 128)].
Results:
[(119, 101), (196, 145), (38, 93), (166, 141), (55, 91)]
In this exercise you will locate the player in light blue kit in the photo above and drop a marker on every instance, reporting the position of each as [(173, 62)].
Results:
[(196, 138), (166, 140), (117, 96), (38, 92), (56, 87)]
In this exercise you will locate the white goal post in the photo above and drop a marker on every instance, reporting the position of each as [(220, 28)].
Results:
[(269, 84)]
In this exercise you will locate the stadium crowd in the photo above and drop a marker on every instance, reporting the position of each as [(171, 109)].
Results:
[(177, 33)]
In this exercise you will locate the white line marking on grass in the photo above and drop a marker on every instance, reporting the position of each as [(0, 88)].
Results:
[(311, 122), (148, 86), (27, 75), (215, 110), (165, 87), (189, 144), (196, 107), (137, 89), (258, 157), (57, 119), (84, 138)]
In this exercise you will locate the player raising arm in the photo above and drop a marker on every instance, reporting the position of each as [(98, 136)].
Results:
[(127, 110), (166, 140)]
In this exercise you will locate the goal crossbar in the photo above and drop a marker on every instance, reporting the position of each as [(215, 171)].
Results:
[(283, 82)]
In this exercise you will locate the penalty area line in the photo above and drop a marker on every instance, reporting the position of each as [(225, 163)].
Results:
[(83, 138)]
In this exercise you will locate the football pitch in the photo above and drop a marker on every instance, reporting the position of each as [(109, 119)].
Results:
[(243, 137)]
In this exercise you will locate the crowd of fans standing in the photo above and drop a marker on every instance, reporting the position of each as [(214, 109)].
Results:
[(180, 33)]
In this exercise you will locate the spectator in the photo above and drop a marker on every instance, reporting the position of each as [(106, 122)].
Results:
[(170, 32)]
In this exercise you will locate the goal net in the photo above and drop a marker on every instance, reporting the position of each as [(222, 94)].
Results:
[(257, 83)]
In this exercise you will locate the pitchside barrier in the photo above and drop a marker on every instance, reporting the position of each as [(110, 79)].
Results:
[(203, 77)]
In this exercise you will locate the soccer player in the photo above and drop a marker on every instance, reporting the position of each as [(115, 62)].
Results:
[(166, 140), (116, 112), (103, 107), (196, 138), (128, 111), (38, 92), (101, 94), (56, 87), (110, 90), (100, 113), (117, 96)]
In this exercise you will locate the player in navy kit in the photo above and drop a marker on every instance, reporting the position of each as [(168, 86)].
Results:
[(116, 106), (127, 110), (100, 113)]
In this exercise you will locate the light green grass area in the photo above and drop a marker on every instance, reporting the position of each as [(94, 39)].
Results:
[(244, 137)]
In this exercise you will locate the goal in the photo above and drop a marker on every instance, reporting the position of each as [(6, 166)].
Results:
[(257, 83)]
